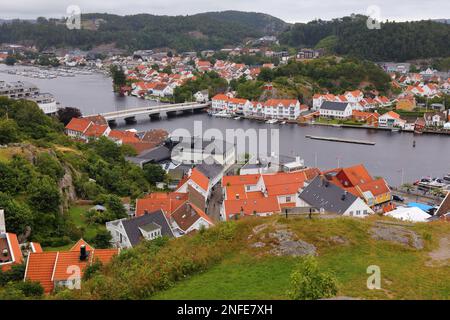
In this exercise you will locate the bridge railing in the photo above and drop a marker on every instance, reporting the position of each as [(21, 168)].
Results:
[(154, 108)]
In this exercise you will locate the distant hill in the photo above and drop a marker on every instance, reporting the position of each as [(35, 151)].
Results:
[(265, 23), (447, 21), (211, 30), (398, 41)]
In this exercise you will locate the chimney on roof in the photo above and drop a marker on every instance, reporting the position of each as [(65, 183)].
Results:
[(145, 211), (83, 253), (2, 221), (344, 196)]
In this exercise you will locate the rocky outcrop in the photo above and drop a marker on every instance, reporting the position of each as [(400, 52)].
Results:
[(67, 188), (397, 234)]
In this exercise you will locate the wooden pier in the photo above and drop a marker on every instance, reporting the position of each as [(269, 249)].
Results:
[(334, 139)]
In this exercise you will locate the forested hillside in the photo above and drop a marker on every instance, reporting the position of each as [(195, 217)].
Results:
[(393, 41), (144, 31), (42, 174)]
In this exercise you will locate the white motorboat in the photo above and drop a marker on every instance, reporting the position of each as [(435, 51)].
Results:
[(222, 114)]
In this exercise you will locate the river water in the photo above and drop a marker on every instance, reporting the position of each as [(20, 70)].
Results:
[(392, 157)]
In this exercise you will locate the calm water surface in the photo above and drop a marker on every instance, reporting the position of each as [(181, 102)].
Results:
[(392, 153)]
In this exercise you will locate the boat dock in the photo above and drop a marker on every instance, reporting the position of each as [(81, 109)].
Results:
[(341, 140)]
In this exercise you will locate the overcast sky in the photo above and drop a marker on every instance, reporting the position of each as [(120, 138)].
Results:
[(288, 10)]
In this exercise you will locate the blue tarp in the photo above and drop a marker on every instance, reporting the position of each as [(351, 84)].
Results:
[(421, 206)]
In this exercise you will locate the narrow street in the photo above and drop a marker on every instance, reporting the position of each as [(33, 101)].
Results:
[(215, 203)]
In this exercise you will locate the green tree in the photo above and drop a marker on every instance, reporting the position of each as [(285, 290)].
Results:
[(118, 76), (16, 273), (266, 75), (309, 283), (167, 70), (50, 166), (66, 114), (30, 289), (44, 195), (102, 240), (9, 131), (154, 173), (107, 149), (113, 204), (18, 215)]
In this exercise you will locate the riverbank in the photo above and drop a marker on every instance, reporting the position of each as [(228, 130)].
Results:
[(336, 124)]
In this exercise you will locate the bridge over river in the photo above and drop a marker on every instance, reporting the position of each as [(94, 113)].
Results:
[(154, 112)]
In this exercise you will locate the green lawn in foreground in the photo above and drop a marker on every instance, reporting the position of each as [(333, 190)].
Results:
[(241, 277), (404, 271)]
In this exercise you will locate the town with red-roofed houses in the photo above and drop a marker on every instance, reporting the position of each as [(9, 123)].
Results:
[(186, 150)]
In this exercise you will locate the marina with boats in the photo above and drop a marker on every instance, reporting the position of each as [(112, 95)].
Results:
[(50, 73)]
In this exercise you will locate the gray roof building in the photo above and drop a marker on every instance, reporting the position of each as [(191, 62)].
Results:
[(130, 232), (322, 194), (333, 105), (154, 155)]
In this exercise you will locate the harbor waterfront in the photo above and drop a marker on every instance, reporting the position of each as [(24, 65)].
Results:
[(393, 156)]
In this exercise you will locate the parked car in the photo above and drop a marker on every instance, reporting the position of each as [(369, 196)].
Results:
[(397, 198)]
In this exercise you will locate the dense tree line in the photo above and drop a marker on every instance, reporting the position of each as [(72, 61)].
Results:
[(398, 41), (144, 31), (210, 81), (333, 75)]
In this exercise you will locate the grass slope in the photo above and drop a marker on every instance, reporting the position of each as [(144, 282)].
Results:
[(239, 277), (252, 274)]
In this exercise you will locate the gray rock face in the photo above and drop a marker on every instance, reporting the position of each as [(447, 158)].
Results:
[(397, 234), (287, 246)]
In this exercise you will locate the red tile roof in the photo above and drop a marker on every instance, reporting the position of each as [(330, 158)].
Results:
[(96, 130), (14, 251), (392, 114), (36, 247), (376, 187), (167, 202), (200, 179), (251, 206), (188, 214), (222, 97), (247, 179), (124, 136), (283, 102), (78, 124), (81, 242), (48, 267), (40, 269)]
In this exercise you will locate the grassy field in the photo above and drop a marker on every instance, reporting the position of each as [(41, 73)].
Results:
[(238, 277), (255, 274), (77, 215)]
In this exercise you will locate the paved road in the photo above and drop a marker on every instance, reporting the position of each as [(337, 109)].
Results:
[(409, 197), (215, 203)]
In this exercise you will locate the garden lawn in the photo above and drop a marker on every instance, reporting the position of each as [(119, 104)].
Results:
[(238, 277)]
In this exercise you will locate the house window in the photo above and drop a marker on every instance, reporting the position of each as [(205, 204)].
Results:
[(358, 212), (288, 199)]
